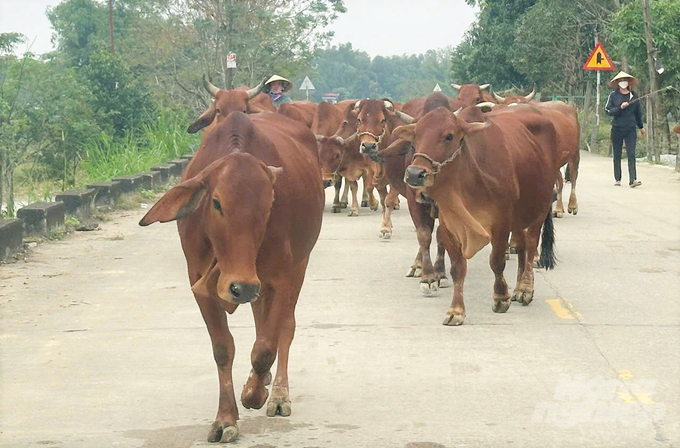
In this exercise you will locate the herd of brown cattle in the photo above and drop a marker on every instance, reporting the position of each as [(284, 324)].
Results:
[(250, 204)]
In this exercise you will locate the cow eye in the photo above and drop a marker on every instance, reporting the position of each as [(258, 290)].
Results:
[(217, 205), (448, 137), (337, 156), (383, 121)]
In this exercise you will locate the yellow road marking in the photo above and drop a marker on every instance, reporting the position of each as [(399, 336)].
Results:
[(560, 310), (629, 398), (625, 374)]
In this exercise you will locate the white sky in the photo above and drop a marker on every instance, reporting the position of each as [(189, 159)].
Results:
[(385, 27)]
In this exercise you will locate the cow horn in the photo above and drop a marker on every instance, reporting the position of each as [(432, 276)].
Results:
[(319, 137), (456, 86), (488, 104), (356, 105), (388, 105), (339, 140), (252, 93), (497, 97), (530, 96), (456, 113), (406, 118), (209, 87), (484, 86)]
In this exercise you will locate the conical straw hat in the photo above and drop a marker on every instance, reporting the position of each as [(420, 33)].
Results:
[(632, 80), (287, 85)]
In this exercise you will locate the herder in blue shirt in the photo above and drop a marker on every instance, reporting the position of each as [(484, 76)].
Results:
[(627, 118)]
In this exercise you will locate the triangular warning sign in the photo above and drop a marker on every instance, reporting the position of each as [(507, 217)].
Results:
[(599, 60)]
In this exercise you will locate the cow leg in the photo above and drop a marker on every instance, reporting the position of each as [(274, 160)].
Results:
[(364, 196), (386, 229), (369, 185), (573, 171), (279, 403), (524, 291), (519, 239), (336, 200), (456, 313), (354, 211), (224, 427), (501, 296), (424, 222), (440, 263), (345, 193), (559, 205), (416, 268)]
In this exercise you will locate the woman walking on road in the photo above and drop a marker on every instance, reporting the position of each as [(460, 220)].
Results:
[(627, 118)]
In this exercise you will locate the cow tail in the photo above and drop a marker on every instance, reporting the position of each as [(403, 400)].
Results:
[(548, 259)]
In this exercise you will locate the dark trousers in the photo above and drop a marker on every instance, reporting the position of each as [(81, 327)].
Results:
[(628, 135)]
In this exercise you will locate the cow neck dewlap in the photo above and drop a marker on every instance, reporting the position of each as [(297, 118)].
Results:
[(468, 230)]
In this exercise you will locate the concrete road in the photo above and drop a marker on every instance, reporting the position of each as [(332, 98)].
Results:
[(103, 345)]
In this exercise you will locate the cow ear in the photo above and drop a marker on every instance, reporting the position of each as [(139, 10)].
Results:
[(406, 132), (179, 202), (398, 148), (472, 128), (274, 172), (204, 120)]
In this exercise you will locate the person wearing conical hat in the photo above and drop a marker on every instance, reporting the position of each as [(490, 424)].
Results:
[(276, 87), (627, 113)]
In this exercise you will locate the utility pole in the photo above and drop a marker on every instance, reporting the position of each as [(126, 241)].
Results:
[(651, 99), (111, 25)]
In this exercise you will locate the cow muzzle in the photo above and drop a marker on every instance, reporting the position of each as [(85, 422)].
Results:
[(327, 183), (415, 176), (244, 292)]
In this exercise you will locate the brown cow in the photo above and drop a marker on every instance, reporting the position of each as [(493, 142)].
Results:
[(488, 179), (512, 100), (226, 101), (470, 94), (249, 211), (339, 156), (302, 111)]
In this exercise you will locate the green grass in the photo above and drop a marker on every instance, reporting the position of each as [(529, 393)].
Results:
[(156, 143)]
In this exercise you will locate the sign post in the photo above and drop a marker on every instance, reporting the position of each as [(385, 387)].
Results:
[(598, 60), (231, 69), (307, 86)]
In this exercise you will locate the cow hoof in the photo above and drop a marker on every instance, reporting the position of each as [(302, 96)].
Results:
[(501, 306), (343, 205), (278, 406), (573, 210), (385, 234), (523, 297), (428, 288), (364, 203), (558, 214), (254, 398), (335, 209), (512, 250), (374, 207), (353, 212), (443, 282), (418, 272), (453, 320), (221, 432), (397, 207)]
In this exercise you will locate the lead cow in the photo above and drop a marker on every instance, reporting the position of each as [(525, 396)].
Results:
[(249, 213)]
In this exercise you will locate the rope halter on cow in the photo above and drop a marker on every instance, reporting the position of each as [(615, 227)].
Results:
[(437, 166), (378, 138)]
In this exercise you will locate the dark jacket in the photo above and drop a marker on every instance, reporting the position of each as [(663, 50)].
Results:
[(627, 118)]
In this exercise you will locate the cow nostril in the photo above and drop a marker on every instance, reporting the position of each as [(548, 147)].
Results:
[(421, 175), (235, 290)]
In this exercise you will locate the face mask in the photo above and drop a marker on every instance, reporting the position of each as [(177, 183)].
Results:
[(623, 84)]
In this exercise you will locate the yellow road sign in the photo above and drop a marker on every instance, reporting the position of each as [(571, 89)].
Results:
[(599, 60)]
